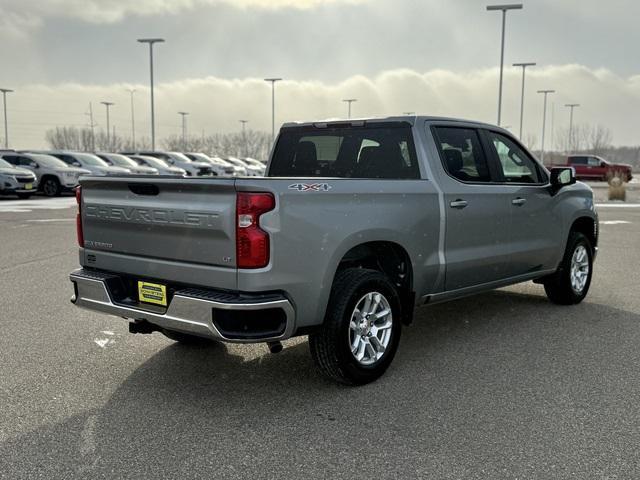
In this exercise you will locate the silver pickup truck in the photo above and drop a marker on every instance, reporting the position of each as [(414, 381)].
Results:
[(355, 224)]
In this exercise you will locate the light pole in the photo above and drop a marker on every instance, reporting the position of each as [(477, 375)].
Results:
[(544, 121), (133, 120), (524, 68), (151, 41), (184, 129), (4, 104), (571, 107), (273, 105), (107, 105), (503, 9), (349, 101), (244, 135)]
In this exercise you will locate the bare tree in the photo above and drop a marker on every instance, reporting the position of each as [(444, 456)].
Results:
[(599, 139), (80, 139)]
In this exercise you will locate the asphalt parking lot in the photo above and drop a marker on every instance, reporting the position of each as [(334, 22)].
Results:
[(501, 385)]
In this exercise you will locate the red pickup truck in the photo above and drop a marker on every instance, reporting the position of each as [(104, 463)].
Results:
[(591, 167)]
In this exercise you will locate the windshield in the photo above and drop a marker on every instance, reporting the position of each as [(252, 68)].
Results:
[(375, 151), (48, 160), (120, 160), (180, 156), (5, 164), (236, 162), (222, 162), (152, 161), (90, 159)]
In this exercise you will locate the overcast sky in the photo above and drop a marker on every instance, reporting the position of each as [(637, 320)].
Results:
[(429, 56)]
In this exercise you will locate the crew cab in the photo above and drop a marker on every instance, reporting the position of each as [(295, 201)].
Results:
[(591, 167), (357, 223)]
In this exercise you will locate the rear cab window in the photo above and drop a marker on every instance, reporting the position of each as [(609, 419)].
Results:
[(462, 155), (374, 151)]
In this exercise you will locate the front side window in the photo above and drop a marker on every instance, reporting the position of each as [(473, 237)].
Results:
[(385, 152), (462, 154), (516, 165), (594, 162)]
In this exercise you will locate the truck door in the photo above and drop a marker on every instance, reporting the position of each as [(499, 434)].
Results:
[(597, 168), (477, 219), (535, 225)]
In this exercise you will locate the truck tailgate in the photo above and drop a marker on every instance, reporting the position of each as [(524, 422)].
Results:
[(171, 220)]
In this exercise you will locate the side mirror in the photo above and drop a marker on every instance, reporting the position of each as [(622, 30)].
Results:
[(34, 165), (561, 177), (76, 164)]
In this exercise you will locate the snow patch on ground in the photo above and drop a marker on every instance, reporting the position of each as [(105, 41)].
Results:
[(21, 206)]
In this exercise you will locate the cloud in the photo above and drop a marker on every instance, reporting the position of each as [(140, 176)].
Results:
[(216, 105), (101, 11)]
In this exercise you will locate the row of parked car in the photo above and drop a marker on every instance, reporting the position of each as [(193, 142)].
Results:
[(23, 173)]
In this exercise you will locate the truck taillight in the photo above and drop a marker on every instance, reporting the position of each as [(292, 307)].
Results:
[(252, 243), (79, 216)]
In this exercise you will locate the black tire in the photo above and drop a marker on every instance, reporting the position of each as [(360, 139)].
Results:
[(330, 347), (186, 339), (24, 196), (51, 187), (558, 286)]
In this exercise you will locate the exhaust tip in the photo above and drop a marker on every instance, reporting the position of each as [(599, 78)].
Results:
[(274, 347)]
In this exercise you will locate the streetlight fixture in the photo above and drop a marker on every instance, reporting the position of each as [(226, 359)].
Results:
[(273, 105), (4, 104), (571, 107), (524, 67), (408, 113), (184, 129), (107, 105), (349, 101), (151, 41), (503, 9), (133, 121), (544, 121)]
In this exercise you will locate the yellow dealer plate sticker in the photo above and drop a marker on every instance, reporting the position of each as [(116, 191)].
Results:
[(152, 293), (28, 186)]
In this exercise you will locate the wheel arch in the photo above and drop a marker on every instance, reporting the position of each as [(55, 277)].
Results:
[(389, 258)]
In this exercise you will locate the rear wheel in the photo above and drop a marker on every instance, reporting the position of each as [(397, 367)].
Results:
[(51, 187), (570, 284), (185, 338), (361, 331)]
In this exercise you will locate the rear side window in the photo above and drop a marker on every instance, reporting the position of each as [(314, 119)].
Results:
[(462, 154), (348, 152), (516, 165), (578, 160)]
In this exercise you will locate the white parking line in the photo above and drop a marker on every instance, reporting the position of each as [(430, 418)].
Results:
[(613, 222), (20, 206)]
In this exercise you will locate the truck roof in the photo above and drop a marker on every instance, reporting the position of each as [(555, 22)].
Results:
[(412, 119)]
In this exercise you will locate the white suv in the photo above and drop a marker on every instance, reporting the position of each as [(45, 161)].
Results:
[(54, 176)]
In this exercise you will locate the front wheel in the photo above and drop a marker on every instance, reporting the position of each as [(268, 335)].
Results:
[(361, 331), (570, 284), (51, 187)]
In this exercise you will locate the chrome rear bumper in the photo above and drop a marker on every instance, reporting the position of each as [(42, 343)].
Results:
[(190, 310)]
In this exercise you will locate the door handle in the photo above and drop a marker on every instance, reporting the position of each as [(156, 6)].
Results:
[(519, 201), (458, 203)]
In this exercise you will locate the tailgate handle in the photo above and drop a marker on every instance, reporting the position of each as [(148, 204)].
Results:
[(144, 189)]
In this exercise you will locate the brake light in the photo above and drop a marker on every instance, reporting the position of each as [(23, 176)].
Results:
[(252, 243), (79, 232)]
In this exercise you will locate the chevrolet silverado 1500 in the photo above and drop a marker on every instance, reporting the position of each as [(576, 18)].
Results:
[(355, 224)]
